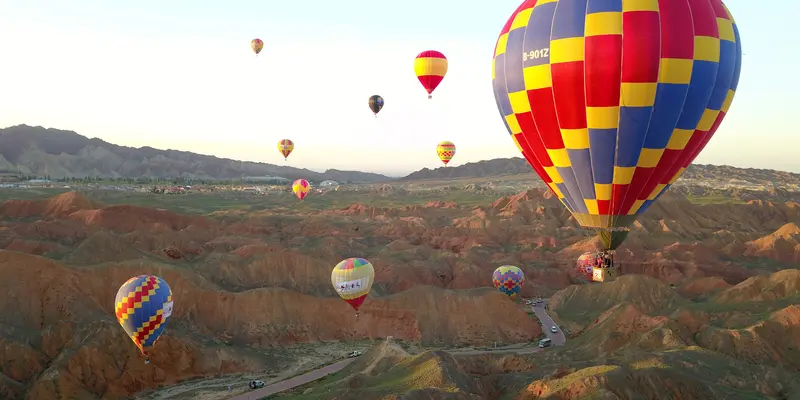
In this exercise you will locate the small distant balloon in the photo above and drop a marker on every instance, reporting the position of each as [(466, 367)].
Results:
[(585, 263), (142, 306), (508, 279), (446, 151), (256, 44), (430, 66), (285, 146), (300, 188), (375, 104)]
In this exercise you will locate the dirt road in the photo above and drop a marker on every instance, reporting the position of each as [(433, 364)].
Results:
[(539, 310)]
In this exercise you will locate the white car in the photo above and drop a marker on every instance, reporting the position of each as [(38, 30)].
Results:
[(256, 384), (553, 329), (354, 354)]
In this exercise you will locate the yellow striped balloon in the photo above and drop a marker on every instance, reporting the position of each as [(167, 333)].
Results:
[(352, 279), (300, 188), (446, 151), (430, 67)]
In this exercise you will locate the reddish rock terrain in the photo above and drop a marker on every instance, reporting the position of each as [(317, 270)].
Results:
[(252, 280)]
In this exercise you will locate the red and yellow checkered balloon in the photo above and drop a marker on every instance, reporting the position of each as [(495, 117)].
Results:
[(611, 100), (446, 151)]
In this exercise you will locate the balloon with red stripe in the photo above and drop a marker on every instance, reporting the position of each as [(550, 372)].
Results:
[(430, 67)]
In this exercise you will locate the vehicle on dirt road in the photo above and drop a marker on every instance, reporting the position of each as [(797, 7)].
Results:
[(354, 354), (256, 384), (545, 343)]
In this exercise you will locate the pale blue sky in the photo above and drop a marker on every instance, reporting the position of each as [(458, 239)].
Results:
[(180, 74)]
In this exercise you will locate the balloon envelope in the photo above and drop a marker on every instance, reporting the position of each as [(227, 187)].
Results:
[(430, 66), (300, 188), (142, 306), (508, 279), (375, 103), (446, 151), (256, 45), (352, 279), (285, 146), (610, 101)]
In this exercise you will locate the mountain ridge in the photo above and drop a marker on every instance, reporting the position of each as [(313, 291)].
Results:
[(35, 150), (518, 166)]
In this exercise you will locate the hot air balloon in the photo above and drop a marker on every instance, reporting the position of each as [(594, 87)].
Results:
[(446, 151), (375, 104), (430, 67), (256, 45), (300, 188), (143, 305), (352, 279), (508, 279), (585, 263), (610, 113), (285, 146)]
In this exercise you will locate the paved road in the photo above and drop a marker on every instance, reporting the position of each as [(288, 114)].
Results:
[(558, 338), (294, 382), (539, 309)]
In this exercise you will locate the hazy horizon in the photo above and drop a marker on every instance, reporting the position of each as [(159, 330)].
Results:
[(181, 75)]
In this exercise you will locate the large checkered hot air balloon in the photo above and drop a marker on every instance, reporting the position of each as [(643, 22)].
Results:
[(508, 279), (610, 100), (430, 66), (352, 279), (142, 306)]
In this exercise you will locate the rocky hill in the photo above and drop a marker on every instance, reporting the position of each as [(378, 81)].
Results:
[(696, 174), (38, 151), (250, 285), (643, 341)]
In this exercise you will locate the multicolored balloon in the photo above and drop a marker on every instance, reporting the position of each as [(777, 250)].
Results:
[(256, 45), (446, 151), (430, 67), (300, 188), (611, 100), (352, 279), (585, 263), (508, 279), (285, 146), (375, 104), (142, 306)]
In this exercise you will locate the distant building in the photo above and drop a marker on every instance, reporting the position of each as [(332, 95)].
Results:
[(328, 184)]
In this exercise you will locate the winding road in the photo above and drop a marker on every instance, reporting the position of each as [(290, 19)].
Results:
[(539, 310)]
